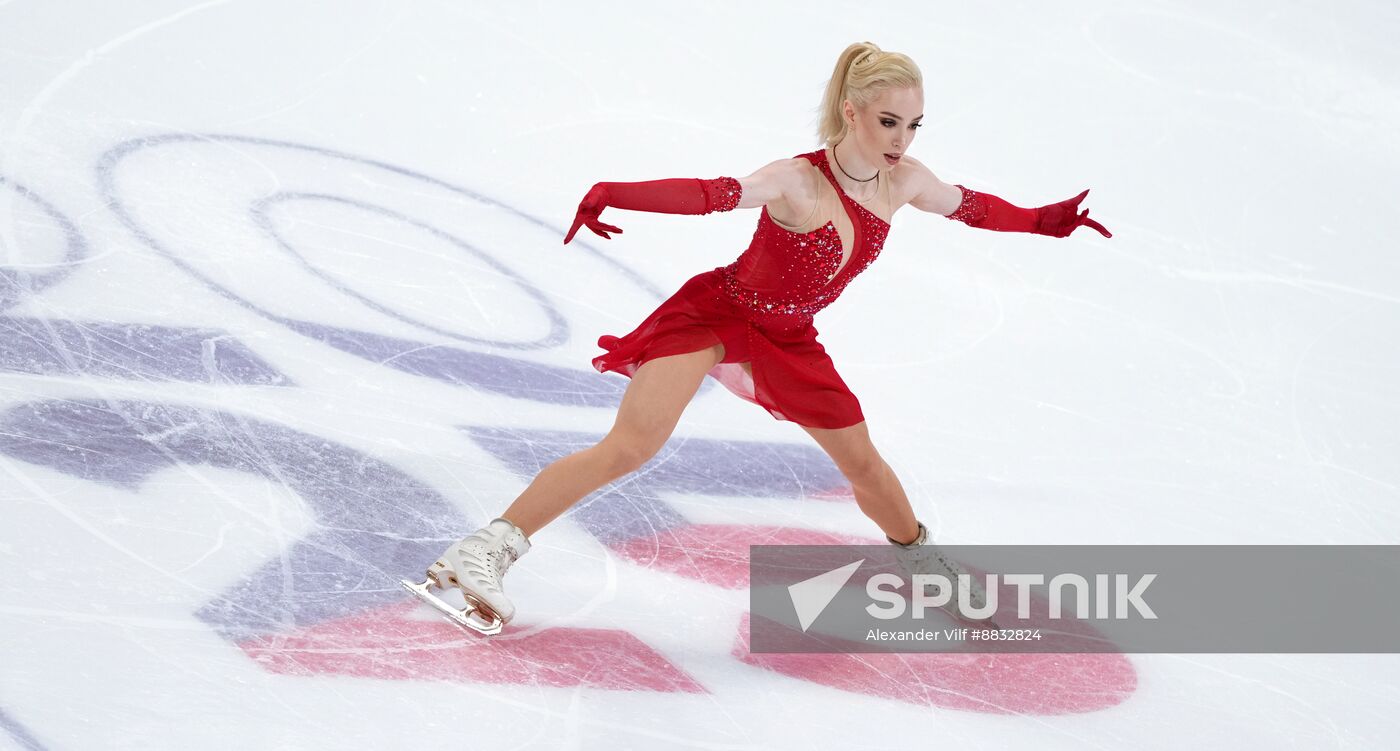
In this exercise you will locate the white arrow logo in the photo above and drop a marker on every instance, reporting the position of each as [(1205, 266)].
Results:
[(811, 596)]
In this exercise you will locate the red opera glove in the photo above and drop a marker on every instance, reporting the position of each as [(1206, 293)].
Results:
[(986, 211), (676, 195)]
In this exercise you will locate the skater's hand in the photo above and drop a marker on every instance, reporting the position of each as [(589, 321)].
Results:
[(1060, 219), (588, 210)]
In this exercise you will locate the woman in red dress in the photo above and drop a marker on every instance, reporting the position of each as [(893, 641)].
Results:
[(823, 220)]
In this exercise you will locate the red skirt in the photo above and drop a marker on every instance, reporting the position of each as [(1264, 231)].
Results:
[(793, 377)]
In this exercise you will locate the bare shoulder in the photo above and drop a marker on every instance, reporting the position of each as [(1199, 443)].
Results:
[(774, 182), (920, 187)]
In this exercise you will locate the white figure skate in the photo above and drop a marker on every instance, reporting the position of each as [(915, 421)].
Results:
[(923, 557), (475, 565)]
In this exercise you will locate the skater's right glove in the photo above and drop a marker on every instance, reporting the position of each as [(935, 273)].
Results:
[(677, 195)]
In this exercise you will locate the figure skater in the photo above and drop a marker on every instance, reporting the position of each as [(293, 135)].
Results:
[(749, 324)]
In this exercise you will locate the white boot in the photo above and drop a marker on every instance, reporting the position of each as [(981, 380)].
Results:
[(476, 565), (923, 557)]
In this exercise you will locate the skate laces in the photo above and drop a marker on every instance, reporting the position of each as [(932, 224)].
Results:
[(504, 557), (489, 557)]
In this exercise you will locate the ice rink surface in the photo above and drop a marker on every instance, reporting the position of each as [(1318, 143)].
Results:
[(284, 310)]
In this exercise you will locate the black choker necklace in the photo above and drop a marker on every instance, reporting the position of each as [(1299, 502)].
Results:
[(866, 180), (847, 174)]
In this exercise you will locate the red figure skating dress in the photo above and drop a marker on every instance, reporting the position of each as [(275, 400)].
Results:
[(761, 308)]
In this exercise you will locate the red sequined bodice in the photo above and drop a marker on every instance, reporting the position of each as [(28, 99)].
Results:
[(789, 273)]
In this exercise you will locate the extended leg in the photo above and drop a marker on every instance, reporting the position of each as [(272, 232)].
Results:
[(882, 498), (651, 407), (878, 491)]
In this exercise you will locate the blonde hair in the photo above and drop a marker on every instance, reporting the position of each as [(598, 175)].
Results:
[(863, 72)]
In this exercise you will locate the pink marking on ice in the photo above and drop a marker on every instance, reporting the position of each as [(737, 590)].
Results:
[(385, 644), (718, 554), (837, 493), (1038, 684)]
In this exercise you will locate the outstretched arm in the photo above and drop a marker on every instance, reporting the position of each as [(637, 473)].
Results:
[(986, 211), (682, 195), (675, 195)]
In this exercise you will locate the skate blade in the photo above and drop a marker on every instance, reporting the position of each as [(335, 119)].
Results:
[(470, 619)]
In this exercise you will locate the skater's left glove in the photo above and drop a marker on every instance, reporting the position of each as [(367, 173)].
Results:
[(986, 211)]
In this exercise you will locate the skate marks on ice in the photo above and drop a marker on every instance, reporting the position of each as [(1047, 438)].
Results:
[(56, 346), (370, 519), (47, 346), (270, 192), (633, 519), (329, 602)]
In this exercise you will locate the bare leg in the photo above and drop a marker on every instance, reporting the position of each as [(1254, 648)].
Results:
[(651, 407), (878, 491)]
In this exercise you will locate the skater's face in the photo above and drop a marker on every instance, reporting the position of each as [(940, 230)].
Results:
[(887, 126)]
